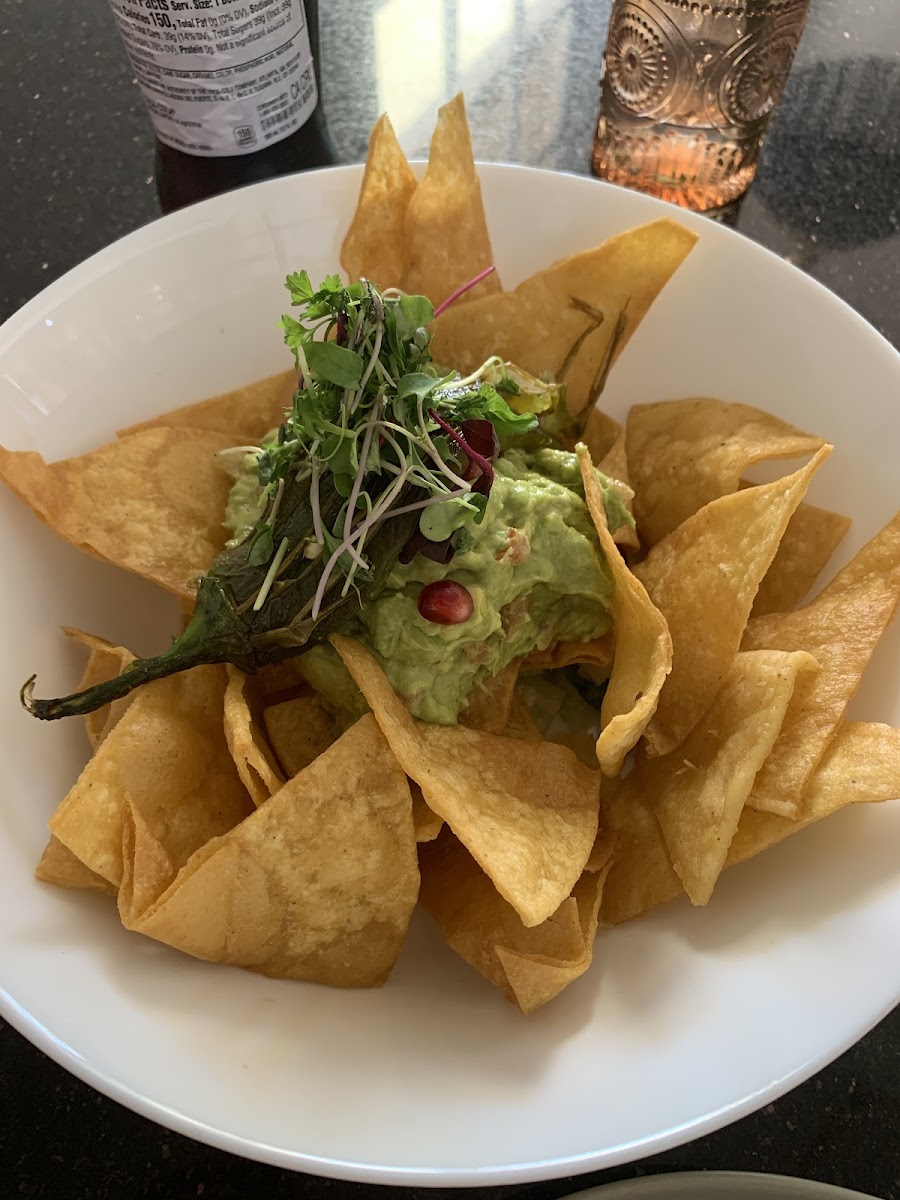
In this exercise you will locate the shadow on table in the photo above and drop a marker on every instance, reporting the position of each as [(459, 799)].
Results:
[(831, 163)]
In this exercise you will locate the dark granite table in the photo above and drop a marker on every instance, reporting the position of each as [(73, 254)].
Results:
[(78, 174)]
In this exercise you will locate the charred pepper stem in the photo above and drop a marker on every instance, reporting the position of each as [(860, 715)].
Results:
[(212, 635)]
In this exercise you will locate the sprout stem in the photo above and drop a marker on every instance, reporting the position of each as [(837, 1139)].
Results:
[(461, 291), (271, 574)]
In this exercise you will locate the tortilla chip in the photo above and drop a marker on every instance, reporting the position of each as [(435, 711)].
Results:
[(151, 502), (527, 812), (598, 653), (299, 730), (642, 874), (879, 556), (860, 766), (698, 798), (809, 541), (682, 454), (446, 232), (488, 704), (281, 681), (243, 416), (703, 577), (643, 653), (544, 319), (168, 757), (614, 465), (147, 869), (601, 434), (60, 866), (106, 662), (840, 628), (535, 978), (520, 723), (375, 246), (427, 823), (530, 965), (247, 744), (318, 884)]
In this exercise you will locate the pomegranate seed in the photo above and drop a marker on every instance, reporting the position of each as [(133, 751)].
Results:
[(445, 602)]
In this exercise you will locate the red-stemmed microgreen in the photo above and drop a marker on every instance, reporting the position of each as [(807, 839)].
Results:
[(461, 291)]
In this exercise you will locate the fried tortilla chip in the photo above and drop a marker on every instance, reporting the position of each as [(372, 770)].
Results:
[(590, 303), (151, 502), (243, 416), (520, 723), (698, 793), (643, 648), (536, 977), (861, 766), (526, 811), (642, 874), (168, 758), (59, 865), (446, 232), (488, 705), (427, 823), (601, 435), (106, 662), (281, 681), (598, 653), (809, 541), (147, 869), (247, 743), (684, 453), (530, 965), (840, 628), (703, 577), (375, 246), (318, 884), (299, 730), (614, 465), (879, 556)]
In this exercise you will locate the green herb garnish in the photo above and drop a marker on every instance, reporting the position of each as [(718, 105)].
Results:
[(357, 460)]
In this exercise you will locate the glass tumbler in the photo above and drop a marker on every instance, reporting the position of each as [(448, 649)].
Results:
[(687, 94)]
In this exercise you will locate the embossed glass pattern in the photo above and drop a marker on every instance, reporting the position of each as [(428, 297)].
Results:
[(688, 91)]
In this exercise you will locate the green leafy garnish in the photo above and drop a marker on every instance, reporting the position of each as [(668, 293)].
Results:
[(334, 364), (359, 465)]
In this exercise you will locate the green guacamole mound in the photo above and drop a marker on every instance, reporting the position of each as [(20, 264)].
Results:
[(533, 567)]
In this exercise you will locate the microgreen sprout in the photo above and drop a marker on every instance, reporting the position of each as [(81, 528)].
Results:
[(461, 291), (372, 418)]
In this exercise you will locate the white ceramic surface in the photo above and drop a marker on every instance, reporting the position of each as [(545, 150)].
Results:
[(688, 1018), (718, 1185)]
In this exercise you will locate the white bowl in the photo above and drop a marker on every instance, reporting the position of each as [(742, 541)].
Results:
[(718, 1185), (689, 1018)]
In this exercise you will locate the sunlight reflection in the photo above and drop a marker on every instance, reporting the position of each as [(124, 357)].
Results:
[(410, 84), (426, 52), (479, 27)]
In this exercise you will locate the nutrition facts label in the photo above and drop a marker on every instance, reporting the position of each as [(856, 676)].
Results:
[(220, 77)]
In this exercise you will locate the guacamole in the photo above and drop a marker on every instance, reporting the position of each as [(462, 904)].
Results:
[(532, 567), (533, 570), (246, 500)]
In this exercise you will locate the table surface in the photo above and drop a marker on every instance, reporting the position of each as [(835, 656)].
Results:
[(79, 174)]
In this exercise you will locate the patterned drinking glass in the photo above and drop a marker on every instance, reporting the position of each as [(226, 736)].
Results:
[(688, 92)]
